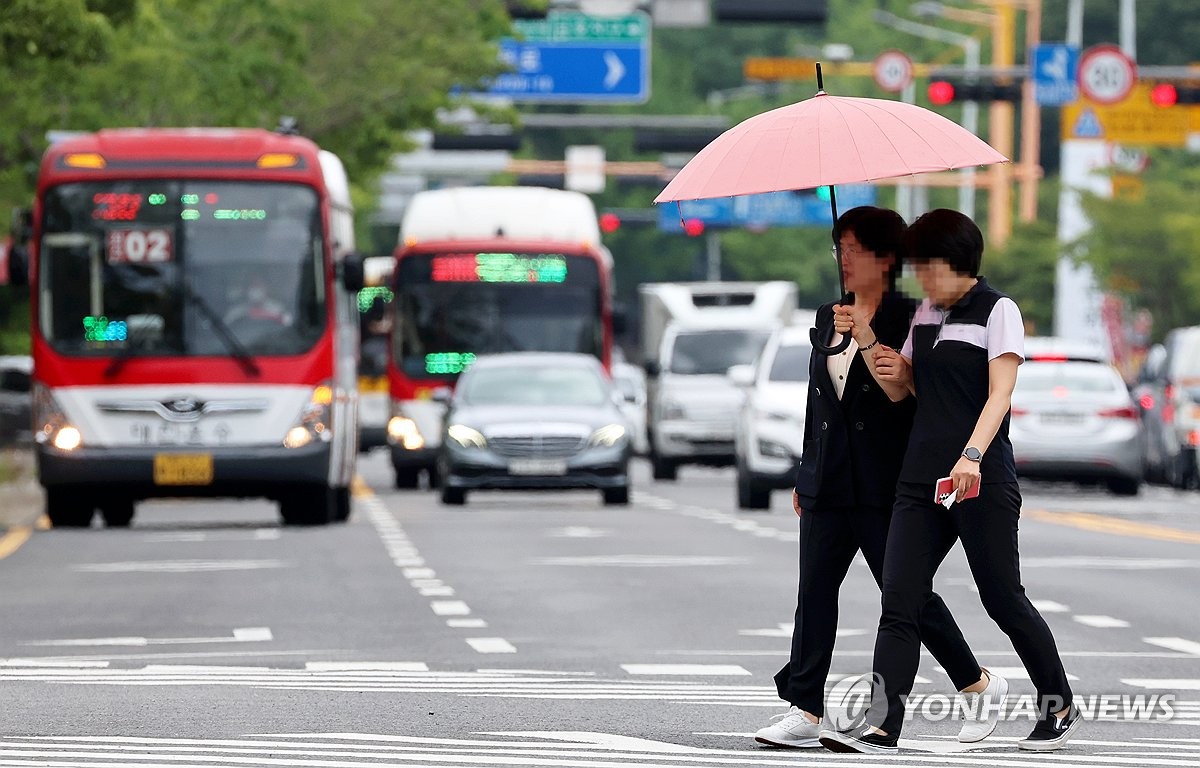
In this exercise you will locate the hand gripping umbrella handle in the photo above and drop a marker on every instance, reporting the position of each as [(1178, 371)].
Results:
[(824, 349)]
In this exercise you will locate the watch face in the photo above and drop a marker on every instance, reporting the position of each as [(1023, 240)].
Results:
[(973, 454)]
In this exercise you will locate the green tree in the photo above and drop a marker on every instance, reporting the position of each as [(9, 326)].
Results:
[(1144, 247)]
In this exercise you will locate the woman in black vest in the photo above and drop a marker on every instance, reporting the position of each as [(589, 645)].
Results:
[(960, 359), (854, 438)]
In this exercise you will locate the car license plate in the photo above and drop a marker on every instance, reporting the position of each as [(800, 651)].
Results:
[(1063, 419), (537, 467), (183, 469)]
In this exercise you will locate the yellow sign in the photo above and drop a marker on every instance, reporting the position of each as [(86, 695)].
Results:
[(1136, 121), (779, 68), (183, 469)]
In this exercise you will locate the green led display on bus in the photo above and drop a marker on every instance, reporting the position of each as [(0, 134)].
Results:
[(448, 362), (499, 268)]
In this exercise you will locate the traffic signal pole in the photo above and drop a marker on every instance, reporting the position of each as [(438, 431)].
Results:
[(1031, 121), (1000, 128)]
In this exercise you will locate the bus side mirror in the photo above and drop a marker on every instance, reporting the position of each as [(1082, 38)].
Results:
[(652, 368), (620, 320), (351, 268)]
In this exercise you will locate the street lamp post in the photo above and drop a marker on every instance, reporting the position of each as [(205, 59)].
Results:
[(970, 47)]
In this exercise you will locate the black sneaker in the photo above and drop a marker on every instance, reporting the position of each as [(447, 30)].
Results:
[(1051, 733), (859, 739)]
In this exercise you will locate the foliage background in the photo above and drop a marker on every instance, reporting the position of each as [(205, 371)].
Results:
[(360, 74)]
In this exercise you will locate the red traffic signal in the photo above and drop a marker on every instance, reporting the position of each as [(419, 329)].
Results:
[(941, 92), (1164, 95), (693, 227), (609, 223)]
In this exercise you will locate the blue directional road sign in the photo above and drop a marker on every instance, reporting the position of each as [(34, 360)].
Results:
[(569, 72), (773, 209), (1055, 70)]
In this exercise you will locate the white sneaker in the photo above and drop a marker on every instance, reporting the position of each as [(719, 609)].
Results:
[(983, 710), (792, 730)]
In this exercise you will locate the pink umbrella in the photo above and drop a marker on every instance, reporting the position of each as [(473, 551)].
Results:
[(825, 141)]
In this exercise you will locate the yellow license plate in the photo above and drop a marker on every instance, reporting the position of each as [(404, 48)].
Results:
[(183, 469)]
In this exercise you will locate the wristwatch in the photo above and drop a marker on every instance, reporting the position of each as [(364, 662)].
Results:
[(972, 454)]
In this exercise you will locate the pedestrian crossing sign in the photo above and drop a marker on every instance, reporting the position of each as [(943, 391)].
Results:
[(1087, 126)]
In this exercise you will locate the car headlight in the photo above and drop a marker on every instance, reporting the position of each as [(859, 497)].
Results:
[(314, 421), (772, 448), (672, 409), (608, 435), (403, 431), (50, 422), (466, 437)]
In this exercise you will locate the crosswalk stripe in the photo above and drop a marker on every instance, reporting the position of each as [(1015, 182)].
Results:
[(567, 749)]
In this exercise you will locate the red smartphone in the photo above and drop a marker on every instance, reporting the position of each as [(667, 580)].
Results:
[(945, 488)]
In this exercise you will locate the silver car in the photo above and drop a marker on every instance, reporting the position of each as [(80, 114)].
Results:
[(16, 398), (1074, 419), (535, 420)]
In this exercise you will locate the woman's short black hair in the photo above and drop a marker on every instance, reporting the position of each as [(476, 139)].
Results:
[(878, 229), (945, 235)]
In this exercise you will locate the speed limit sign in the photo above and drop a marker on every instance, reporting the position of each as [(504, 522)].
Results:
[(1106, 74), (893, 71)]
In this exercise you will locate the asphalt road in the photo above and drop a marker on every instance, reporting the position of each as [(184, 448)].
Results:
[(547, 629)]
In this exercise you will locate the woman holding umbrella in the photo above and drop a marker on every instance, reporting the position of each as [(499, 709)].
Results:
[(845, 487), (960, 360)]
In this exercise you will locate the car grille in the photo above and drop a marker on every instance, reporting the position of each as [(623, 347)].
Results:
[(537, 446)]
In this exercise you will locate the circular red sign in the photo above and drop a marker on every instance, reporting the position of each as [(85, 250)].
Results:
[(1106, 74)]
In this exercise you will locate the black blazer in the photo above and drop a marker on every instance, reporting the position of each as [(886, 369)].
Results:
[(853, 447)]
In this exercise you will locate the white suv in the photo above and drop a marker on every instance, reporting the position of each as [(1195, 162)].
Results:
[(770, 426)]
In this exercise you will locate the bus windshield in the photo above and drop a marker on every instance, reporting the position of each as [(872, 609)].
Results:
[(452, 306), (174, 267)]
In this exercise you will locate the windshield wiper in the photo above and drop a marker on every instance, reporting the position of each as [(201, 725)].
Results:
[(118, 361), (236, 348)]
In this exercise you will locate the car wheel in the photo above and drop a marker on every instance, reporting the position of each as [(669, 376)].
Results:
[(454, 496), (1124, 486), (117, 513), (618, 495), (663, 469), (341, 505), (751, 495), (68, 508), (435, 477), (312, 505), (407, 477)]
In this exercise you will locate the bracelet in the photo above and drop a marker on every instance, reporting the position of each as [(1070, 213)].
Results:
[(872, 345)]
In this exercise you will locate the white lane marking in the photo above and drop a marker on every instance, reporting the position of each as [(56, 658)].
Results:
[(1101, 621), (180, 566), (1108, 563), (240, 635), (107, 657), (1176, 684), (418, 573), (371, 666), (642, 561), (260, 534), (466, 623), (1049, 606), (1012, 673), (783, 630), (442, 591), (989, 654), (714, 670), (578, 532), (54, 663), (491, 645), (1175, 644), (450, 607)]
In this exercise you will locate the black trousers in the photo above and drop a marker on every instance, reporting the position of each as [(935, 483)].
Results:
[(829, 539), (921, 535)]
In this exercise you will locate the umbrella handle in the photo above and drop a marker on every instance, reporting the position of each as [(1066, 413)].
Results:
[(822, 349)]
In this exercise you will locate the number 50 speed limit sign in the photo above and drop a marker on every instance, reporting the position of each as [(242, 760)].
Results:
[(1106, 74)]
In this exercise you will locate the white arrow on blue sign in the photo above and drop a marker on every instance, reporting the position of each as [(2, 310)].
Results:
[(1055, 71)]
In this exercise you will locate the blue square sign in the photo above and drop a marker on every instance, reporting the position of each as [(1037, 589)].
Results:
[(1055, 73)]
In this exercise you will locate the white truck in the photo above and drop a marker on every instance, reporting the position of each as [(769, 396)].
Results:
[(692, 333)]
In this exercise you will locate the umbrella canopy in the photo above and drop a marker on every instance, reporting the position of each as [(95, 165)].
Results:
[(827, 140)]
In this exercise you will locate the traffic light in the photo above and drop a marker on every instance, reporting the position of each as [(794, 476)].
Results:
[(1170, 94), (609, 222), (649, 140), (947, 90), (804, 11), (527, 9), (510, 142)]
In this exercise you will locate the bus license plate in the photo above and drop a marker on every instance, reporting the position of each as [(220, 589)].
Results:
[(537, 467), (183, 469)]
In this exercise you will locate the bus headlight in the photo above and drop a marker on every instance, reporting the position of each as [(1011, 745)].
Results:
[(314, 420), (50, 422), (466, 437), (608, 435), (404, 431)]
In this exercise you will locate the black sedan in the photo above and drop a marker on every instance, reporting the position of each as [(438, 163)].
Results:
[(16, 398), (535, 420)]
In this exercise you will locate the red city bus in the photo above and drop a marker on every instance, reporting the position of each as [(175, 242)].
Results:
[(485, 270), (195, 329)]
